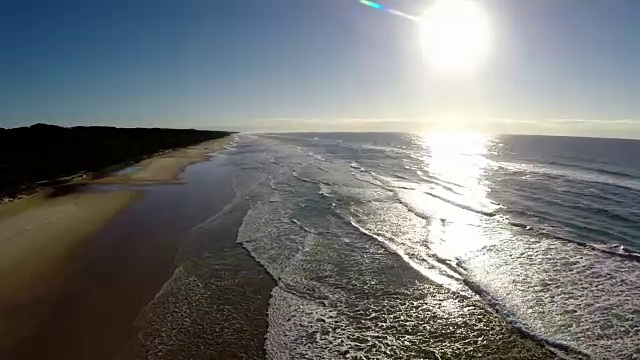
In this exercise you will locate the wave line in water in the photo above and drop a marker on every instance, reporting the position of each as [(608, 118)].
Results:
[(217, 215), (536, 279)]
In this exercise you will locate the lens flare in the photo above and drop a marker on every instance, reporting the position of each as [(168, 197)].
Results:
[(372, 4), (388, 10)]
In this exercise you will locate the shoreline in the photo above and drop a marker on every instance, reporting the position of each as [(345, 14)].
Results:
[(166, 167), (45, 239), (162, 168), (214, 305)]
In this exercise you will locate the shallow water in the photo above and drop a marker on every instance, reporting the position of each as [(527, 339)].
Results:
[(393, 245), (127, 171), (215, 303), (413, 246), (113, 275)]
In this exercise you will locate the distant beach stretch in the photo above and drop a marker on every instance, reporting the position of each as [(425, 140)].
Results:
[(333, 245), (44, 239)]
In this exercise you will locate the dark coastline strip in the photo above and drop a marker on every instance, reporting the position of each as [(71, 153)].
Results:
[(42, 156)]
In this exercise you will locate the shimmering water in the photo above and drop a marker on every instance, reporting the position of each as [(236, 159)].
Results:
[(389, 246)]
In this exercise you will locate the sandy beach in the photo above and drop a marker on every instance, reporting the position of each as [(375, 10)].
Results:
[(35, 246), (167, 167), (48, 257)]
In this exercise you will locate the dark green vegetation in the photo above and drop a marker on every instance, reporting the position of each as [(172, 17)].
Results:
[(41, 155)]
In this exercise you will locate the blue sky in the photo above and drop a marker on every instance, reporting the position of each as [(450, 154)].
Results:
[(558, 67)]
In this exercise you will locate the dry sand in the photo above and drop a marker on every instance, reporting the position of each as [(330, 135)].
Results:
[(35, 244)]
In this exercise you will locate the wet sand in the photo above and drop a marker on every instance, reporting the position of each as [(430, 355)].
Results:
[(215, 305), (166, 168), (84, 302)]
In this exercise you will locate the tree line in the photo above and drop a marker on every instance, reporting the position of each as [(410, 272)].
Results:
[(41, 154)]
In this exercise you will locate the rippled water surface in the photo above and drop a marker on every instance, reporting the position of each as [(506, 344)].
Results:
[(441, 246)]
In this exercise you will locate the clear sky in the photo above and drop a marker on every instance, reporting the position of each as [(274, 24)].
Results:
[(556, 66)]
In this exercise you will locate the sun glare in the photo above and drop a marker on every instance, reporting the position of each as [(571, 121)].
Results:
[(456, 35)]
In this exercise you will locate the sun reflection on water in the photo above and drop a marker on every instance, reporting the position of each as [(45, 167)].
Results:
[(457, 165)]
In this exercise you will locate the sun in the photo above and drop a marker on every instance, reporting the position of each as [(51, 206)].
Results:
[(456, 35)]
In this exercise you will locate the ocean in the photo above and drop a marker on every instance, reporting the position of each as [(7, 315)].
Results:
[(420, 246)]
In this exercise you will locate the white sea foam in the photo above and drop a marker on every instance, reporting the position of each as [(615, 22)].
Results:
[(555, 291)]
